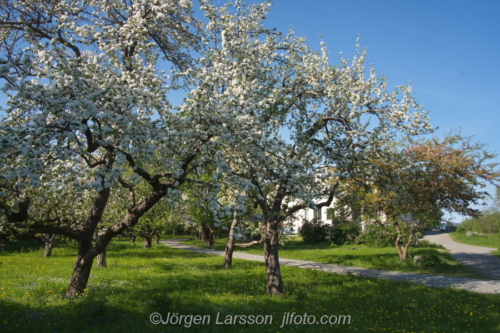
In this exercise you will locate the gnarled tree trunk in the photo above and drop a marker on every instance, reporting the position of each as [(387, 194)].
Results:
[(401, 247), (228, 256), (101, 260), (50, 241), (47, 252), (271, 245), (207, 234), (81, 272)]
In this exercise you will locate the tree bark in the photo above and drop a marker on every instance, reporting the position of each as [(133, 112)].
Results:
[(147, 242), (86, 251), (399, 246), (82, 269), (271, 243), (48, 250), (133, 238), (101, 260), (207, 235), (49, 241), (228, 256), (402, 248), (252, 243), (158, 238)]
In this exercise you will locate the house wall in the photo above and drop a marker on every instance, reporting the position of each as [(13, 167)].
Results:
[(322, 215), (307, 215)]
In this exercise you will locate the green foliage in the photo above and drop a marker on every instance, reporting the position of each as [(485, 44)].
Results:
[(430, 261), (315, 231), (376, 235), (341, 231), (488, 223), (429, 245), (344, 231)]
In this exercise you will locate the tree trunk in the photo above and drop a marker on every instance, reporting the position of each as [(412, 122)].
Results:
[(49, 241), (271, 243), (403, 252), (147, 242), (403, 249), (207, 235), (228, 257), (101, 260), (158, 238), (48, 249), (132, 238), (81, 272), (211, 238)]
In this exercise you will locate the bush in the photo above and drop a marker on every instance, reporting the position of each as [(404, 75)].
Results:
[(431, 260), (484, 224), (427, 244), (344, 231), (377, 236), (340, 233), (314, 231)]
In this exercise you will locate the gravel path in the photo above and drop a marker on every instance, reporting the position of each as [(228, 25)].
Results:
[(478, 257), (476, 285)]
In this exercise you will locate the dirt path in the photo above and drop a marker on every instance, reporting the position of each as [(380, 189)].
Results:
[(476, 285), (478, 257)]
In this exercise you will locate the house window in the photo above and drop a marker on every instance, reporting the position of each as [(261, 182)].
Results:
[(306, 214), (330, 214), (317, 214)]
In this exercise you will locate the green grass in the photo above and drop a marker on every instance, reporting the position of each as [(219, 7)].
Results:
[(492, 240), (438, 260), (140, 281)]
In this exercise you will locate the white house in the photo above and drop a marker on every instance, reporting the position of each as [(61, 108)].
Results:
[(324, 214)]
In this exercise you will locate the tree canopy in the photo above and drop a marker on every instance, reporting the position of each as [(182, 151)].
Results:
[(89, 115)]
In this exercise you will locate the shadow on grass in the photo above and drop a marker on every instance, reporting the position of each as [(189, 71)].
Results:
[(121, 299)]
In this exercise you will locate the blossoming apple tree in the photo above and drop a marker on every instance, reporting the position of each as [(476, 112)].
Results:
[(87, 100), (306, 121)]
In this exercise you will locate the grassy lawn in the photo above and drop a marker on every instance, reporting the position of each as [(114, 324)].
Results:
[(492, 240), (140, 281), (438, 261)]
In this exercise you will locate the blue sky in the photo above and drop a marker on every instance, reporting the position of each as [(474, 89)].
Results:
[(449, 50)]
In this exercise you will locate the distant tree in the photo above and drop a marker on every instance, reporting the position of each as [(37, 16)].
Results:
[(49, 240), (425, 179), (488, 222)]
